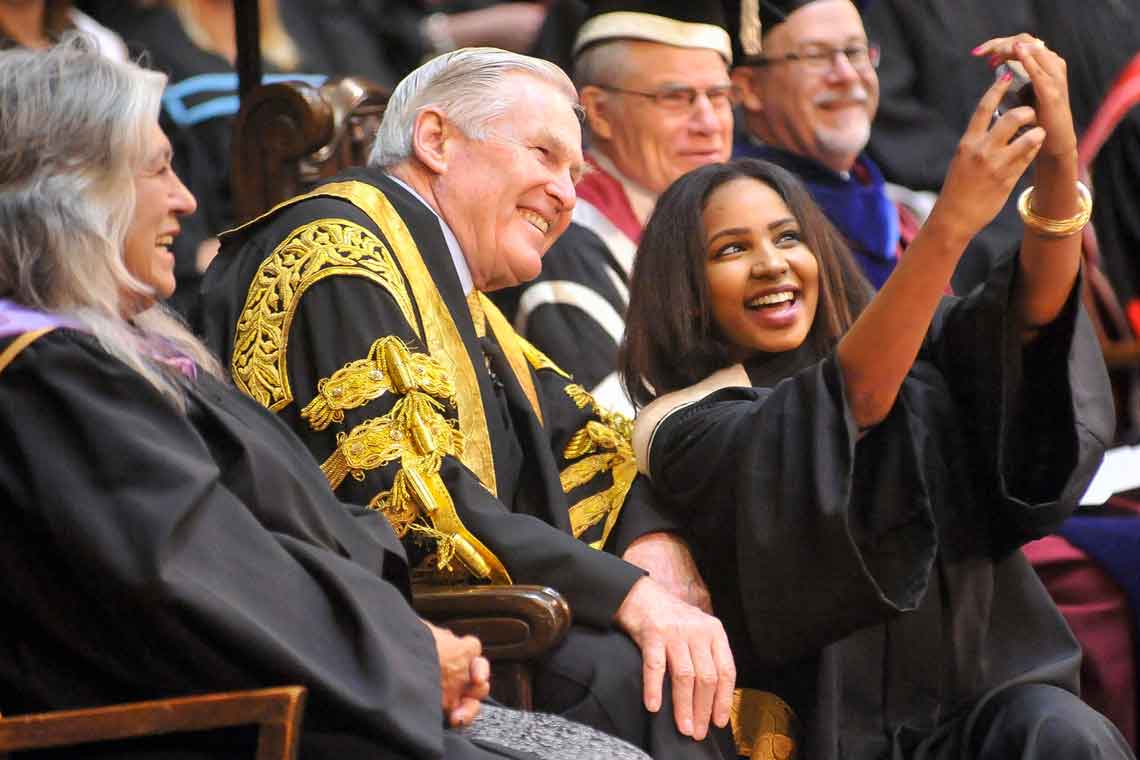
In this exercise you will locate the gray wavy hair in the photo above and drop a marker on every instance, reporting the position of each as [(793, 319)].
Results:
[(467, 85), (73, 128)]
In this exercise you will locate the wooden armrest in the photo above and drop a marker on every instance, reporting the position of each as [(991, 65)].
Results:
[(513, 622), (277, 713)]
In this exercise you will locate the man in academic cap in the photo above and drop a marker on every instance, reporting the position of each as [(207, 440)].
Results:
[(653, 79), (805, 74)]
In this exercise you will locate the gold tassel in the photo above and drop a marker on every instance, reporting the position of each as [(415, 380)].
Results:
[(751, 32), (397, 360), (585, 470), (335, 468)]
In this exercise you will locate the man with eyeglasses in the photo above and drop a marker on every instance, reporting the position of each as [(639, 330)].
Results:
[(808, 93), (653, 79)]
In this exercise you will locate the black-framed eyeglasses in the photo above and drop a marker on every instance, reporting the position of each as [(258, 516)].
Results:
[(681, 98), (820, 58)]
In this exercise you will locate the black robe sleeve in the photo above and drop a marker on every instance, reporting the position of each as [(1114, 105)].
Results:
[(1037, 416), (807, 532), (148, 553)]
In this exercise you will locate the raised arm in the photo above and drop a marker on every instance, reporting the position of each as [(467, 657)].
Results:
[(1049, 261), (879, 349)]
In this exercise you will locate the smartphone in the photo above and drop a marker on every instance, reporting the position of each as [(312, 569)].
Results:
[(1020, 92)]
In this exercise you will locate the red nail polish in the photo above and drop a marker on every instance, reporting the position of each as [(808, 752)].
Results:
[(1006, 76), (976, 50)]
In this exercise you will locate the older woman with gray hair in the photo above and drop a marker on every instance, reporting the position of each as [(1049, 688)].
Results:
[(164, 534)]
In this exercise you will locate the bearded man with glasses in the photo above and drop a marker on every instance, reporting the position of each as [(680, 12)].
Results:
[(808, 92), (653, 80)]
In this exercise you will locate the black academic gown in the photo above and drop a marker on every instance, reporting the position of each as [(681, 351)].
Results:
[(874, 582), (146, 553), (525, 522), (575, 310)]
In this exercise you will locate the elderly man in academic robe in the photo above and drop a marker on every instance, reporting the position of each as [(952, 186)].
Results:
[(357, 312)]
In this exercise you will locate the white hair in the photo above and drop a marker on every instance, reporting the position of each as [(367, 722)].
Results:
[(602, 63), (467, 85), (73, 130)]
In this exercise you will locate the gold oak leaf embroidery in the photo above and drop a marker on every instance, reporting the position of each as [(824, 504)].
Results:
[(317, 250), (603, 445)]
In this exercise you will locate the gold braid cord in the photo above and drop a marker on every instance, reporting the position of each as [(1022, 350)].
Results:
[(363, 380), (416, 433), (310, 253), (603, 445)]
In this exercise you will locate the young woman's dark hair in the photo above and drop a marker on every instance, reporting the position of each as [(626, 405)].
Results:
[(671, 340)]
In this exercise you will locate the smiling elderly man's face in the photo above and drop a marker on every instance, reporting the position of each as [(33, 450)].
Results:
[(508, 197), (654, 140), (824, 113)]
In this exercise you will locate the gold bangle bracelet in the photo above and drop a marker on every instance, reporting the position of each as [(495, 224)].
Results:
[(1055, 228)]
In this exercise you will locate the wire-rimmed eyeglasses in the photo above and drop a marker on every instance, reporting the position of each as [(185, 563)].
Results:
[(820, 58), (681, 98)]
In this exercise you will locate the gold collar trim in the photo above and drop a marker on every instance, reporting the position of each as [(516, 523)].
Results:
[(513, 350), (21, 342)]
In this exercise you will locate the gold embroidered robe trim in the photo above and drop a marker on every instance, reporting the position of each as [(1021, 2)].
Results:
[(607, 447), (364, 380), (539, 360), (616, 420), (511, 344), (413, 420), (310, 253), (441, 336), (417, 434)]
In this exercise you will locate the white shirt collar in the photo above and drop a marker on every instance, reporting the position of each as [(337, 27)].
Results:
[(457, 257), (641, 200)]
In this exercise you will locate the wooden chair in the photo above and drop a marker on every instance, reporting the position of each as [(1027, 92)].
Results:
[(287, 137), (276, 712), (290, 135)]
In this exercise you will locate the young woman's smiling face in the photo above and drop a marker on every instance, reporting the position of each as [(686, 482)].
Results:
[(763, 280)]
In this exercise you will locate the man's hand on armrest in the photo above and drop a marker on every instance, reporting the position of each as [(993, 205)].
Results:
[(676, 637)]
